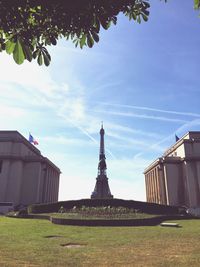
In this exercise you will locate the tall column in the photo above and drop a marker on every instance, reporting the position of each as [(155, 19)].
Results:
[(166, 184), (158, 185), (147, 187), (151, 186), (162, 185), (154, 186), (53, 189), (6, 166), (47, 186)]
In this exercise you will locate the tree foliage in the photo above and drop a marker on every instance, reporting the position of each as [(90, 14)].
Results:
[(27, 27), (197, 4)]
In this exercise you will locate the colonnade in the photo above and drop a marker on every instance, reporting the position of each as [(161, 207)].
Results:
[(51, 185), (153, 185)]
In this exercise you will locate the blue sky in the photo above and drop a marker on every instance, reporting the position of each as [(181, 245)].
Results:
[(142, 81)]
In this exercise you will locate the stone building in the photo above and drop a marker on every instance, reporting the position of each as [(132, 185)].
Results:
[(174, 178), (26, 176)]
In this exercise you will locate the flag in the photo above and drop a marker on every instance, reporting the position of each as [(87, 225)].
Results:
[(176, 137), (32, 140)]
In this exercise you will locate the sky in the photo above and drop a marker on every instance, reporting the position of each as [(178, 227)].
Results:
[(141, 80)]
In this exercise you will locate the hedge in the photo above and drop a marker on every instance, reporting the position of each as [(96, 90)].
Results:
[(150, 208), (122, 222)]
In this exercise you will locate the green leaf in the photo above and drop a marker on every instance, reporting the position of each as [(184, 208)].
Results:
[(96, 24), (196, 4), (35, 53), (147, 5), (27, 52), (90, 41), (53, 40), (3, 46), (48, 55), (10, 46), (18, 53), (47, 41), (105, 24), (40, 60), (134, 16), (139, 19), (83, 40), (95, 36), (145, 18), (146, 12), (46, 59)]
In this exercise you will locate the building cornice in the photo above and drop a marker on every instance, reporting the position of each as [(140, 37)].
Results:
[(171, 160), (153, 164), (39, 158)]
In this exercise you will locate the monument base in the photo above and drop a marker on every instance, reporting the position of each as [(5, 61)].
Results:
[(102, 190)]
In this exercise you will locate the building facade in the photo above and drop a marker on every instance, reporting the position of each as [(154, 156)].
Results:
[(174, 178), (26, 177)]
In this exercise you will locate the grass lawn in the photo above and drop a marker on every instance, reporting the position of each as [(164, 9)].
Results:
[(23, 242)]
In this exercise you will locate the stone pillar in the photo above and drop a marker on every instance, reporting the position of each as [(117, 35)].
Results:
[(153, 184), (166, 184), (152, 187), (4, 179), (147, 186), (158, 185)]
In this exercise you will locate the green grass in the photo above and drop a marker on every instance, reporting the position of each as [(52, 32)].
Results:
[(23, 243)]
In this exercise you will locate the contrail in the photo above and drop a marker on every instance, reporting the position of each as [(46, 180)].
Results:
[(59, 112), (142, 116), (152, 109), (91, 138), (85, 133)]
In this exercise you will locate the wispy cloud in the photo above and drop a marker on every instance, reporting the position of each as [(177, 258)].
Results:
[(11, 112), (65, 140), (30, 87), (105, 86)]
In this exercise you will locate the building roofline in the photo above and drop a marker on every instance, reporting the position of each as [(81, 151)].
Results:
[(179, 142), (170, 150), (23, 139), (27, 143), (154, 163)]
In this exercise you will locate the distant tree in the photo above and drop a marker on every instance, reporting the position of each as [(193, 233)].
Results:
[(27, 27)]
